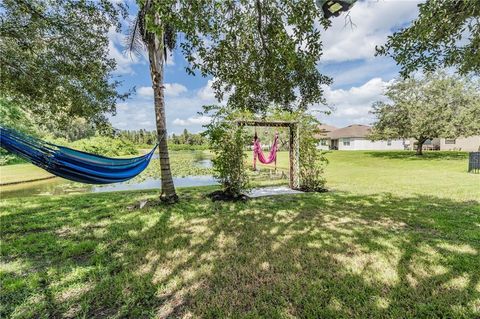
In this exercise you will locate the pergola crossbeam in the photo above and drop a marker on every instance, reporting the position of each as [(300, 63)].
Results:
[(266, 123)]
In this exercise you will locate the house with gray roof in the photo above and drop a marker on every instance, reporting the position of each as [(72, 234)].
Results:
[(355, 137)]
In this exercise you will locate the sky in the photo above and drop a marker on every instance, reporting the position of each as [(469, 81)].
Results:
[(359, 77)]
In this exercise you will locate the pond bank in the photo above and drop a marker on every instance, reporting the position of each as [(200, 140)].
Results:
[(189, 168), (27, 181), (22, 173)]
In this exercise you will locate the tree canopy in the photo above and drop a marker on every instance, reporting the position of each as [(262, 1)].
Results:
[(259, 53), (446, 33), (436, 105), (54, 57)]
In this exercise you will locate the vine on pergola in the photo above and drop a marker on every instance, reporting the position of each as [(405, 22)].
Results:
[(228, 138)]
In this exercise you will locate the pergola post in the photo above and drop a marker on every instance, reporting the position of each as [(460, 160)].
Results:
[(294, 154)]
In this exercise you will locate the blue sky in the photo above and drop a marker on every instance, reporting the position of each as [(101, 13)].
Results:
[(359, 77)]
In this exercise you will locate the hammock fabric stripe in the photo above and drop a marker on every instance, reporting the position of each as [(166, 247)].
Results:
[(258, 153), (72, 164)]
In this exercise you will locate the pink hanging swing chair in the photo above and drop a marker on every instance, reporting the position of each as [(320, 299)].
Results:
[(258, 153)]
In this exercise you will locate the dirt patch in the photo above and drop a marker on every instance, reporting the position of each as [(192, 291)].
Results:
[(220, 195)]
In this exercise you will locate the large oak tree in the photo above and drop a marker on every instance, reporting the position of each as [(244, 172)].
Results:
[(436, 105), (54, 58), (445, 34), (54, 55), (259, 53)]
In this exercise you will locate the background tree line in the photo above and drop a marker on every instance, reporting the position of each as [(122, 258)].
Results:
[(144, 137)]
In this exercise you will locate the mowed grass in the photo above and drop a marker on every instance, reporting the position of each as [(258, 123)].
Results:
[(19, 173), (439, 174), (377, 246), (402, 173)]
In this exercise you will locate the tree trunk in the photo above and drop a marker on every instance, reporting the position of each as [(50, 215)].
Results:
[(420, 146), (155, 55)]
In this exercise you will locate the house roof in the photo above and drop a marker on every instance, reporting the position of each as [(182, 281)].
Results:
[(327, 128), (355, 130)]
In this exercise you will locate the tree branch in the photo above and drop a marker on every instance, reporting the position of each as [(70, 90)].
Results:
[(259, 26)]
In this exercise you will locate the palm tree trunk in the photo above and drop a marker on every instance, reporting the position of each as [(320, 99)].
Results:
[(155, 55)]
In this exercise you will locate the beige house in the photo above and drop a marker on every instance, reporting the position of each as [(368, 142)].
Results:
[(467, 144), (355, 138)]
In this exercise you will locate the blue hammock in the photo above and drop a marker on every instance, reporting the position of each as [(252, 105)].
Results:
[(72, 164)]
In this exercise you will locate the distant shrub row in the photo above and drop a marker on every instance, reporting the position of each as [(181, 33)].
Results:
[(101, 145), (9, 159)]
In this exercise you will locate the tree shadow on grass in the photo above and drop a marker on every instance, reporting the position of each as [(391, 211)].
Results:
[(427, 155), (312, 255)]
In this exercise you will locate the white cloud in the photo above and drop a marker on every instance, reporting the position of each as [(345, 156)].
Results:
[(122, 106), (206, 93), (194, 120), (134, 115), (145, 91), (181, 106), (361, 71), (356, 95), (373, 22), (171, 89), (352, 106), (174, 89)]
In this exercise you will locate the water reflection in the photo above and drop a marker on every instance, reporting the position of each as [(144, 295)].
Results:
[(59, 186), (205, 163), (55, 186), (150, 183)]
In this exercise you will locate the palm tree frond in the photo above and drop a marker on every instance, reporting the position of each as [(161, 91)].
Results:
[(134, 41), (169, 39)]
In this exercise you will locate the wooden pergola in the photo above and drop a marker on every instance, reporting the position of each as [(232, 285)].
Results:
[(294, 145)]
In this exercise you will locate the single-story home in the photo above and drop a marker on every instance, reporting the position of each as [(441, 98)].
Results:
[(355, 137), (468, 144)]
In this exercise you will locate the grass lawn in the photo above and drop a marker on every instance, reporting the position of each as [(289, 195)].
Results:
[(21, 173), (399, 237), (440, 174)]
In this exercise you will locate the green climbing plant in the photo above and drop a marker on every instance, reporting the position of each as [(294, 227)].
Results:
[(227, 140), (312, 160)]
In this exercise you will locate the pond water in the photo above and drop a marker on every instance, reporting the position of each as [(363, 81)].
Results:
[(60, 186)]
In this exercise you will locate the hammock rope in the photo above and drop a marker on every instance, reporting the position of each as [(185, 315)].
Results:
[(72, 164), (258, 153)]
